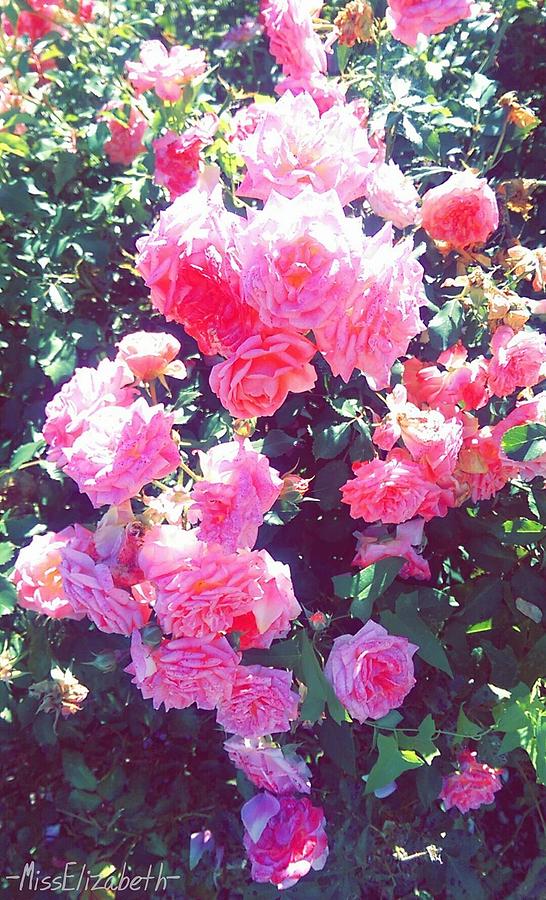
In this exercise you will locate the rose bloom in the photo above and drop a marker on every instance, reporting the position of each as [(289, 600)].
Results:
[(178, 156), (292, 40), (371, 671), (294, 146), (244, 122), (149, 354), (519, 360), (481, 471), (300, 259), (268, 766), (206, 597), (392, 195), (431, 440), (166, 551), (165, 71), (261, 702), (37, 576), (239, 487), (263, 371), (374, 544), (325, 91), (409, 18), (461, 384), (89, 390), (284, 838), (188, 263), (107, 588), (184, 671), (473, 786), (391, 491), (375, 328), (272, 613), (125, 141), (122, 449), (462, 212)]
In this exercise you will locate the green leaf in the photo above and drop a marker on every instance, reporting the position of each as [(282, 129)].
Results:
[(337, 741), (466, 727), (77, 772), (12, 143), (391, 763), (421, 742), (327, 483), (446, 326), (319, 689), (25, 453), (331, 441), (524, 442), (367, 586), (407, 622), (84, 801), (8, 596), (523, 719), (275, 443)]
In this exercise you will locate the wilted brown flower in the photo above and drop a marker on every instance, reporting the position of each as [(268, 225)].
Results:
[(7, 665), (519, 115), (355, 23), (517, 195), (529, 264), (62, 694)]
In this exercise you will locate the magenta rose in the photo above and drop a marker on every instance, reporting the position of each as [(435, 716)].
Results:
[(474, 785), (261, 702)]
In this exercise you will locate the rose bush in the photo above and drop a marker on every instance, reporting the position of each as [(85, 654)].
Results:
[(274, 446)]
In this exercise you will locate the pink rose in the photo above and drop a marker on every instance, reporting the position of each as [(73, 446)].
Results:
[(409, 18), (523, 414), (273, 611), (300, 259), (88, 391), (167, 550), (474, 785), (481, 471), (294, 146), (109, 589), (125, 141), (261, 702), (325, 91), (392, 491), (392, 195), (257, 379), (292, 40), (519, 360), (373, 545), (239, 487), (461, 212), (284, 838), (122, 449), (178, 156), (188, 262), (165, 71), (268, 766), (371, 671), (462, 383), (150, 355), (372, 330), (188, 670), (245, 121), (37, 576)]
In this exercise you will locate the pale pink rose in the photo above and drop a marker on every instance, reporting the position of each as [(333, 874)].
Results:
[(481, 471), (261, 702), (374, 329), (149, 354), (325, 91), (189, 264), (178, 160), (125, 141), (474, 785), (373, 544), (519, 360), (461, 212), (37, 576), (300, 259), (409, 18), (184, 671), (109, 589), (166, 551), (209, 594), (371, 671), (284, 838), (431, 439), (167, 506), (165, 71), (89, 390), (524, 414), (273, 612), (292, 39), (392, 195), (239, 487), (244, 122), (391, 491), (257, 379), (294, 146), (268, 766), (121, 450), (461, 384)]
